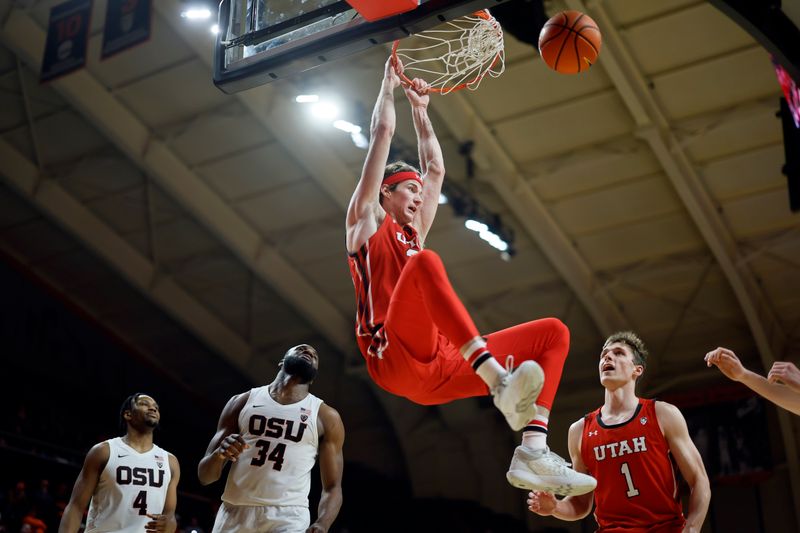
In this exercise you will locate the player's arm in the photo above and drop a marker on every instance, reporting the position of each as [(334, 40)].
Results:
[(89, 476), (331, 465), (361, 213), (689, 463), (431, 160), (166, 521), (572, 507), (781, 394), (226, 444)]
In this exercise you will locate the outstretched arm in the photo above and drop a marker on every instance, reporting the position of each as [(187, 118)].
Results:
[(226, 444), (786, 396), (431, 160), (361, 222), (572, 507), (689, 463), (331, 464), (93, 466)]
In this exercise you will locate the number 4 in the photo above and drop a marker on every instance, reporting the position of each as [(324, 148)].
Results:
[(141, 503), (626, 471)]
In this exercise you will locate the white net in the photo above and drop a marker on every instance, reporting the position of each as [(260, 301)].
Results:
[(455, 55)]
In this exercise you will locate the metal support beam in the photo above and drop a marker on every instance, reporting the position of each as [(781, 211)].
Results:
[(23, 35), (56, 203), (655, 128)]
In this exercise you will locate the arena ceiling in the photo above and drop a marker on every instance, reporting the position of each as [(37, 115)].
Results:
[(645, 194)]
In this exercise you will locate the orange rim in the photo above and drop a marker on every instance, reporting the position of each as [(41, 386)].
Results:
[(484, 14)]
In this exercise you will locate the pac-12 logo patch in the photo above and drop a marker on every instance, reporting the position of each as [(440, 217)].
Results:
[(304, 414), (159, 461), (643, 420)]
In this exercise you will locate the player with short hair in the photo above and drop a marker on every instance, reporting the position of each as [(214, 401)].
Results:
[(132, 483), (272, 435), (628, 445), (415, 334)]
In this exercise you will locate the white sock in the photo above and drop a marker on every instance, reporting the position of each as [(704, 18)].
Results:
[(535, 440), (491, 372), (471, 347)]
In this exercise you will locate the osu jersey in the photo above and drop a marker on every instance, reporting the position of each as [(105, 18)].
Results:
[(375, 269), (283, 443), (637, 491), (131, 485)]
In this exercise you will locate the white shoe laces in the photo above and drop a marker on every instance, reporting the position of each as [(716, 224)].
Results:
[(509, 364)]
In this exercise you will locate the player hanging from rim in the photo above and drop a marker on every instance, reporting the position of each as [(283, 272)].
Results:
[(414, 332), (626, 444)]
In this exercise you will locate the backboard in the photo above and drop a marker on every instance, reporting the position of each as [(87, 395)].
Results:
[(260, 41)]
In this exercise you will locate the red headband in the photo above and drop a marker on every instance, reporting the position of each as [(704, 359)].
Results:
[(397, 177)]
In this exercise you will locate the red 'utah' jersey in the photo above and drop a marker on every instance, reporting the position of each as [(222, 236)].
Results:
[(636, 487), (375, 269)]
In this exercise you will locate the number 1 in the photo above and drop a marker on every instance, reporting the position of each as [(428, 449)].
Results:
[(626, 471)]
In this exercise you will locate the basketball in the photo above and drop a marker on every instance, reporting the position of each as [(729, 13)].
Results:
[(570, 42)]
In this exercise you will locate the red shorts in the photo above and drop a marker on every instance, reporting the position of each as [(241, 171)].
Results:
[(444, 375)]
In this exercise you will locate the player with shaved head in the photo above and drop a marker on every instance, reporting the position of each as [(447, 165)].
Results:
[(272, 436)]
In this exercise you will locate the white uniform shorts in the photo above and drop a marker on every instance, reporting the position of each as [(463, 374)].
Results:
[(261, 519)]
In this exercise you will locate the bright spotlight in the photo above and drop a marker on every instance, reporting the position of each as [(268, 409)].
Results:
[(346, 126), (306, 98), (360, 140), (197, 13), (474, 225), (494, 240), (324, 110), (442, 199), (215, 29)]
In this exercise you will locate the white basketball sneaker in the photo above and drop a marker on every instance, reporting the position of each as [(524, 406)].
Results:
[(546, 471), (517, 392)]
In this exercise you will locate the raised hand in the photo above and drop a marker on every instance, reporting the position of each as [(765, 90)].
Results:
[(542, 503), (418, 93), (391, 73), (786, 373), (727, 362), (232, 447)]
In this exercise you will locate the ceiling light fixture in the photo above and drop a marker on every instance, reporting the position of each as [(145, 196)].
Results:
[(196, 13)]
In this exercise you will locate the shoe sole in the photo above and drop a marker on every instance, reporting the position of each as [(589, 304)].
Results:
[(522, 480), (535, 383)]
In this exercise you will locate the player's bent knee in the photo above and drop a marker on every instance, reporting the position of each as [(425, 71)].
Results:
[(426, 259), (556, 328)]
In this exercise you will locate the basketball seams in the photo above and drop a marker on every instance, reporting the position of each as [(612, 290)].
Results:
[(587, 41), (577, 53), (563, 45), (568, 57), (551, 39)]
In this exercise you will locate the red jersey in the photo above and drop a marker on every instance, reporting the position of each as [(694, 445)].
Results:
[(637, 491), (375, 269)]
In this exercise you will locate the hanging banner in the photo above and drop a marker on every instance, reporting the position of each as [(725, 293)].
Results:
[(67, 39), (127, 24)]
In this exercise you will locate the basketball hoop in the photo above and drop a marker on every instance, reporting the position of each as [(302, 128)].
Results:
[(455, 55)]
